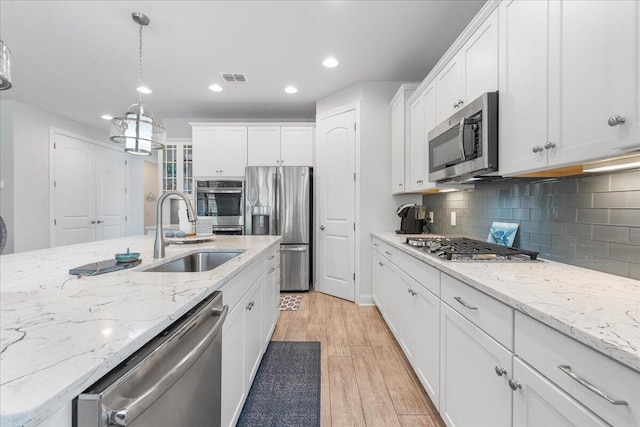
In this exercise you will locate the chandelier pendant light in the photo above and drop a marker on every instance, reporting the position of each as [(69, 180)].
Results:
[(137, 130), (5, 66)]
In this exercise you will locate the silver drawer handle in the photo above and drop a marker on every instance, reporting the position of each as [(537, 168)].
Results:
[(500, 371), (567, 370), (272, 257), (616, 120), (514, 385), (376, 245), (271, 270), (380, 264), (537, 149), (466, 304), (388, 253)]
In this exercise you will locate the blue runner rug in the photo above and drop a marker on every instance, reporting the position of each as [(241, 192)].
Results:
[(286, 390)]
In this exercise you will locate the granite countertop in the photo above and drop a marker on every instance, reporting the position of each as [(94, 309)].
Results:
[(598, 309), (60, 334)]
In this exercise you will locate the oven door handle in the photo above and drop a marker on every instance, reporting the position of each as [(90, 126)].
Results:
[(463, 122), (227, 191), (226, 228), (140, 403)]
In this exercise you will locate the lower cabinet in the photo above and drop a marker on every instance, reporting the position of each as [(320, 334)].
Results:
[(474, 374), (537, 402), (378, 268), (246, 333)]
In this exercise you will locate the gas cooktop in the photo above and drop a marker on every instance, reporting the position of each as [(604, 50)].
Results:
[(465, 249)]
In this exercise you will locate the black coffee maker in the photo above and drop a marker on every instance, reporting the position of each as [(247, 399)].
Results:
[(412, 219)]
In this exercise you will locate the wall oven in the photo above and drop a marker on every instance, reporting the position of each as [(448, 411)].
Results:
[(223, 202), (466, 144)]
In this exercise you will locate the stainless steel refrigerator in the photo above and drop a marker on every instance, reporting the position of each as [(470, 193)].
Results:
[(279, 202)]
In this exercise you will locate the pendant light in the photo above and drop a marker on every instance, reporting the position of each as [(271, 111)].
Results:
[(5, 66), (137, 130)]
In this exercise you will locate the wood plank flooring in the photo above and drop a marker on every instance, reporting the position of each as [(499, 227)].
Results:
[(366, 379)]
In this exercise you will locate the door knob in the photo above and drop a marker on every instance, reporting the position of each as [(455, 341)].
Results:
[(537, 149), (322, 227), (616, 120)]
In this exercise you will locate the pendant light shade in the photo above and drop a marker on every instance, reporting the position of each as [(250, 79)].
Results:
[(137, 130), (5, 66)]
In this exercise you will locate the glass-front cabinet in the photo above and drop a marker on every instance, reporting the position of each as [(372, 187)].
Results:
[(176, 167)]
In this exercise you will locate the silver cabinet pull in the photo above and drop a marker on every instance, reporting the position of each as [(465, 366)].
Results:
[(514, 385), (322, 227), (271, 270), (400, 185), (466, 304), (500, 371), (250, 306), (376, 245), (549, 145), (93, 222), (380, 264), (414, 293), (99, 221), (567, 370), (616, 120), (419, 181), (388, 253), (536, 149), (272, 257)]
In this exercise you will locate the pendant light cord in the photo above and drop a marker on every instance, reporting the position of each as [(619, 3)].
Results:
[(140, 66)]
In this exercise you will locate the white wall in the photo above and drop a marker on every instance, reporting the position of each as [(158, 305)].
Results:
[(373, 164), (6, 171), (25, 137)]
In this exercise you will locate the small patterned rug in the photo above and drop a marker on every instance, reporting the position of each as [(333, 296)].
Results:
[(290, 302)]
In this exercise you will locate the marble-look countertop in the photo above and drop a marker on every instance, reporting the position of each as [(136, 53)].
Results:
[(598, 309), (60, 334)]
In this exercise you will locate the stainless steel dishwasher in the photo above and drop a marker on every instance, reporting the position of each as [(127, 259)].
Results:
[(174, 380)]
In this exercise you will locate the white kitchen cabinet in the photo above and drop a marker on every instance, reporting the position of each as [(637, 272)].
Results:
[(472, 392), (271, 297), (418, 151), (539, 403), (280, 146), (400, 135), (219, 151), (378, 269), (566, 68), (471, 72), (296, 145), (390, 295), (176, 167), (254, 308), (234, 390)]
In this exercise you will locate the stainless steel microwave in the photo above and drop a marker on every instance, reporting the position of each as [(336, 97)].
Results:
[(466, 144)]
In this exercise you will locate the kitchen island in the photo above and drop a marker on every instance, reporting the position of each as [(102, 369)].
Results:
[(61, 333)]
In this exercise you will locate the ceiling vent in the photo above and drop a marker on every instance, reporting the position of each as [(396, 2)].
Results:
[(234, 77)]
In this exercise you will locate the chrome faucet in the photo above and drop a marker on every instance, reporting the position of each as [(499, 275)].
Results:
[(160, 243)]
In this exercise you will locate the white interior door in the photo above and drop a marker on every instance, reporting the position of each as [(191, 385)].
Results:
[(73, 192), (335, 171), (110, 193)]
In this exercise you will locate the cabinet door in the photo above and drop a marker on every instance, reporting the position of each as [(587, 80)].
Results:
[(234, 385), (264, 146), (539, 403), (233, 152), (430, 122), (398, 127), (378, 271), (407, 331), (271, 302), (253, 306), (417, 168), (472, 393), (480, 59), (593, 75), (296, 146), (206, 152), (523, 85), (426, 348), (390, 295), (449, 88)]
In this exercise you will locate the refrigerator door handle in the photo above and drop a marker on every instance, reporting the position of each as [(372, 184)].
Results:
[(276, 195), (294, 248)]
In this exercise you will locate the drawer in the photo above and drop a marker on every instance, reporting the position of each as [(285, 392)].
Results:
[(234, 289), (421, 272), (273, 256), (385, 249), (556, 356), (489, 314)]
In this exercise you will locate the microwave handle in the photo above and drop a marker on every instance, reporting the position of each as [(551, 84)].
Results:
[(463, 122)]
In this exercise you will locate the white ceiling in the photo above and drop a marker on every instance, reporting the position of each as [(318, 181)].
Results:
[(79, 59)]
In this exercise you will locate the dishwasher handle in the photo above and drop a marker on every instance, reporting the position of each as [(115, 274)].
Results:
[(139, 404)]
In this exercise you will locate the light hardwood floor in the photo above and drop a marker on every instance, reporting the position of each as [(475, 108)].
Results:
[(366, 379)]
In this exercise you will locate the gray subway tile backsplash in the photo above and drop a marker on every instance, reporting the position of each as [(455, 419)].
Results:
[(592, 221)]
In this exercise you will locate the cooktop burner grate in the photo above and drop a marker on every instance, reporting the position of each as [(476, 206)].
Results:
[(462, 248)]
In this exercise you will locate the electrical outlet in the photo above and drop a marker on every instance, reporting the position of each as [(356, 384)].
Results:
[(430, 217), (453, 218)]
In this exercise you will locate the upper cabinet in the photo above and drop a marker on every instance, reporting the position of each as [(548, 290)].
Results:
[(219, 151), (280, 145), (569, 85), (399, 135), (471, 72), (422, 111)]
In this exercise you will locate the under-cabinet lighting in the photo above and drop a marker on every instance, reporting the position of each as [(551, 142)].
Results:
[(447, 190), (620, 163)]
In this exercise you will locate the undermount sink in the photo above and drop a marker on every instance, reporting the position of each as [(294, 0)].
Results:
[(195, 262)]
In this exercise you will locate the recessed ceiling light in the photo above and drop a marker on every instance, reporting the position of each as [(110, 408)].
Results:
[(330, 62), (144, 89), (215, 88), (107, 117), (290, 89)]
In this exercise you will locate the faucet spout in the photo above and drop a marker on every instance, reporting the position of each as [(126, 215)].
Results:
[(160, 243)]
